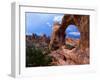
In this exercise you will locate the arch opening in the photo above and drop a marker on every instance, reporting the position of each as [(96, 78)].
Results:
[(72, 37), (72, 31)]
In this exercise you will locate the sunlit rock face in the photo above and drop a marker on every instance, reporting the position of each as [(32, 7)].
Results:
[(55, 38)]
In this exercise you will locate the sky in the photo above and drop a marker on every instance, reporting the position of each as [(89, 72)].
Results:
[(73, 32), (41, 23)]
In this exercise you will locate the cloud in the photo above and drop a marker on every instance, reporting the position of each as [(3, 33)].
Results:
[(39, 33), (28, 33), (74, 33), (72, 28), (58, 19), (49, 24)]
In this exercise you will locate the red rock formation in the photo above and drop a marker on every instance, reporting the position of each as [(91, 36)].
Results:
[(78, 55), (55, 36), (81, 21)]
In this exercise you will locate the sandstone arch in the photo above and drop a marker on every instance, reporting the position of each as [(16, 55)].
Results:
[(81, 21)]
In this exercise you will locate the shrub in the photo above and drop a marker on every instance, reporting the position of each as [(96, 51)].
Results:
[(35, 57), (69, 46)]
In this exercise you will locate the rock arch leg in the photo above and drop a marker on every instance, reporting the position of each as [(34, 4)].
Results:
[(84, 27)]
